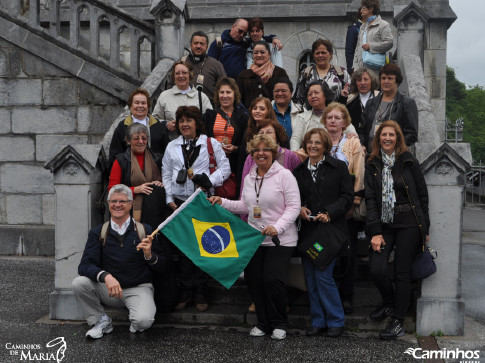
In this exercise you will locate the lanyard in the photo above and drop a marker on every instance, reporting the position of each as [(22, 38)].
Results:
[(260, 186)]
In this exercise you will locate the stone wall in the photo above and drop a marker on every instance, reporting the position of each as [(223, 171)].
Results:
[(41, 106)]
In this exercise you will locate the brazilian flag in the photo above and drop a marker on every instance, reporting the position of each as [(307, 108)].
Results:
[(216, 240)]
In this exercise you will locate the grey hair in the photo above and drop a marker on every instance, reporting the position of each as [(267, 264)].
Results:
[(121, 188), (358, 73), (134, 129)]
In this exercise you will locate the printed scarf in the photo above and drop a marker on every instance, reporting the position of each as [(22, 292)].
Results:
[(388, 195)]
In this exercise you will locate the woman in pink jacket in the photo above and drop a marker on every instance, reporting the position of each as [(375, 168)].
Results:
[(271, 198)]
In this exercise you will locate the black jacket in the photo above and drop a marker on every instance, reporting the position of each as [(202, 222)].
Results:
[(404, 111), (240, 118), (409, 170), (119, 258), (333, 192), (251, 86), (158, 138)]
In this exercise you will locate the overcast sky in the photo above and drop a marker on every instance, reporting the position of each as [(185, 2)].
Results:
[(466, 42)]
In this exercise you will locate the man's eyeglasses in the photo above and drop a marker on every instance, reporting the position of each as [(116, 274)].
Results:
[(122, 202), (240, 31)]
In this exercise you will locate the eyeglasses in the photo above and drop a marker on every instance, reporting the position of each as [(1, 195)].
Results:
[(260, 51), (122, 202), (281, 91), (240, 31), (143, 138), (265, 150), (314, 143)]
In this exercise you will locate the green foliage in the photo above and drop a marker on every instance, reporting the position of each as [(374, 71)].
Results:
[(470, 105), (438, 333)]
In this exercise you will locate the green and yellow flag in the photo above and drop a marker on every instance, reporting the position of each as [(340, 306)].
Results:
[(216, 240)]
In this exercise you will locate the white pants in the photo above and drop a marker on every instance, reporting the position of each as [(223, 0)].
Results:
[(138, 300)]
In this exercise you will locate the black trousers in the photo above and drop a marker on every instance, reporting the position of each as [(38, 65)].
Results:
[(347, 263), (406, 243), (193, 281), (266, 276)]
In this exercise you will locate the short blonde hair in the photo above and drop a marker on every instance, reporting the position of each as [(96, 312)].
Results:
[(337, 106), (265, 139)]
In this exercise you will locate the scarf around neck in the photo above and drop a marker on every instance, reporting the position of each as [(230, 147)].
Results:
[(265, 72), (388, 195), (139, 177)]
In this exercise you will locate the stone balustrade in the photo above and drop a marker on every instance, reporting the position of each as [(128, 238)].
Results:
[(90, 19)]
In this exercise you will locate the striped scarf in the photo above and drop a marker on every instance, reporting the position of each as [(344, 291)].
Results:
[(388, 195), (265, 72)]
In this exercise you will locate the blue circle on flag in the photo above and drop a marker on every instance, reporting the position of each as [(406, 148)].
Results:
[(215, 240)]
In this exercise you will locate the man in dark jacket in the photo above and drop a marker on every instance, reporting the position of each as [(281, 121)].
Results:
[(351, 41), (207, 69), (116, 268), (230, 48)]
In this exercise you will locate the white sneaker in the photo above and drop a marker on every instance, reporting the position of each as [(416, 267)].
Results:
[(101, 327), (278, 334), (133, 330), (256, 332)]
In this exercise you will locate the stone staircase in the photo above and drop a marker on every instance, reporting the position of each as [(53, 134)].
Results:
[(83, 38), (229, 308)]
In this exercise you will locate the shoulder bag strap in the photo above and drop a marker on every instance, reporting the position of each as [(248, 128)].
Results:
[(104, 233), (212, 159)]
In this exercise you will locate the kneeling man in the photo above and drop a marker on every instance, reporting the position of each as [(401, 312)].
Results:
[(116, 268)]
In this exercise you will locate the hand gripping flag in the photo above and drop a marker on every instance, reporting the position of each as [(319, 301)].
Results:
[(216, 240)]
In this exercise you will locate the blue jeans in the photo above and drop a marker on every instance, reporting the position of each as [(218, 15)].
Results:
[(325, 306)]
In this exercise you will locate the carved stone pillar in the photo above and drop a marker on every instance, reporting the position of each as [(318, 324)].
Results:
[(78, 184), (441, 306), (169, 28), (410, 23)]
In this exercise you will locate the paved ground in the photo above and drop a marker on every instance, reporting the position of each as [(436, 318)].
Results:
[(24, 329)]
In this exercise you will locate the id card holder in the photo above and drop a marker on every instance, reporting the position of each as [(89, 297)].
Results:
[(200, 79), (257, 212)]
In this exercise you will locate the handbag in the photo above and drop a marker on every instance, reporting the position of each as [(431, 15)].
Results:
[(228, 188), (323, 244), (372, 59), (423, 264), (360, 212)]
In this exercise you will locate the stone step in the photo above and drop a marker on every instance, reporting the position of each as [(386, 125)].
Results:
[(237, 316)]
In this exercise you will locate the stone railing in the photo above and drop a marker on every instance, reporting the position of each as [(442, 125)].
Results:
[(89, 21)]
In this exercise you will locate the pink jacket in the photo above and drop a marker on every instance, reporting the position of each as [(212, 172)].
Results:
[(279, 200)]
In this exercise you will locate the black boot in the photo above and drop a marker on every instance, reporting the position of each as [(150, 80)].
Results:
[(381, 312)]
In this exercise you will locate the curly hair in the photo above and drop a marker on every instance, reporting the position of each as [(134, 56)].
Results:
[(192, 112), (358, 74), (343, 110), (265, 139)]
